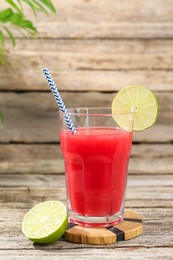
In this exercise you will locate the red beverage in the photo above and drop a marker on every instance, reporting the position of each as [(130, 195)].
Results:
[(96, 163)]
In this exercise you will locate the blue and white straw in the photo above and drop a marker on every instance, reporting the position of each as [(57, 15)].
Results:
[(59, 100)]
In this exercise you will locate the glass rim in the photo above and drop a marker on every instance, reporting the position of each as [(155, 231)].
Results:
[(92, 111)]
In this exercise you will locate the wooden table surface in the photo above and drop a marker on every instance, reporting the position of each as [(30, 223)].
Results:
[(93, 49), (31, 173)]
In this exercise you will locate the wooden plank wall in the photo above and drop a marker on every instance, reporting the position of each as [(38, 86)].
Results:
[(92, 48)]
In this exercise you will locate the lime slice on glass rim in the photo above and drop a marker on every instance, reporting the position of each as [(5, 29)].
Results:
[(46, 222), (140, 102)]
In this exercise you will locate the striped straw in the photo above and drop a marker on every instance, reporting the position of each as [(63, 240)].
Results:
[(59, 101)]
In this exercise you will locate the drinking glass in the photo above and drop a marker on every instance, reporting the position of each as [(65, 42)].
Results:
[(96, 160)]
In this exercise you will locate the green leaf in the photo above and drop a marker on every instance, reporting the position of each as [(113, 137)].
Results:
[(5, 14), (11, 2), (40, 6), (2, 59), (14, 17), (34, 9), (10, 35), (3, 56), (20, 4), (2, 36), (26, 24), (49, 4), (1, 118)]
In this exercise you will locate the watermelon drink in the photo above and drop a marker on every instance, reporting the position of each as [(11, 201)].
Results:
[(96, 145), (96, 161)]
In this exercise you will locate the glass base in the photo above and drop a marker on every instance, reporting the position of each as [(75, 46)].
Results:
[(88, 221)]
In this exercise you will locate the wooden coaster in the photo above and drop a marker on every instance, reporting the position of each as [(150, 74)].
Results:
[(131, 227)]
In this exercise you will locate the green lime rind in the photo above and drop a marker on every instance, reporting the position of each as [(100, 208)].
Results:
[(46, 222), (140, 105)]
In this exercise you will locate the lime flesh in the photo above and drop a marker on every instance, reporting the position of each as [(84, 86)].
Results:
[(140, 105), (46, 222)]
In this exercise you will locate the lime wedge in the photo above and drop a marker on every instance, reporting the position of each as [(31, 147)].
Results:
[(46, 222), (139, 104)]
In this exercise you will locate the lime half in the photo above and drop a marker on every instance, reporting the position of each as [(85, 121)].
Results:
[(46, 222), (140, 105)]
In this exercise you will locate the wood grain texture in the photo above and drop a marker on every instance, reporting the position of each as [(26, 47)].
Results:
[(16, 201), (33, 117), (159, 186), (95, 253), (67, 246), (40, 195), (108, 19), (47, 159), (78, 70), (130, 228), (92, 236), (83, 80), (149, 220), (83, 65), (28, 152)]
